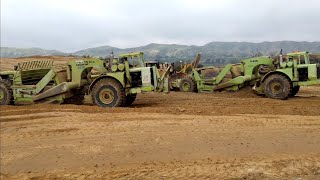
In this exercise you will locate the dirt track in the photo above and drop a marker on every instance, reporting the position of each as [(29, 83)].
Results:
[(167, 136)]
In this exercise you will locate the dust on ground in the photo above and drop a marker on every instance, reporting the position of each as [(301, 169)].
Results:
[(166, 136)]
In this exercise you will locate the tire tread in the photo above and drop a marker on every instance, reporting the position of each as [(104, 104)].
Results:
[(112, 82)]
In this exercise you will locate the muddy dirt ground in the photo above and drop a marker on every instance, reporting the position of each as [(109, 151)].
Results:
[(166, 136)]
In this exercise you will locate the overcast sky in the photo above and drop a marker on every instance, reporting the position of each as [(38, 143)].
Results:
[(70, 25)]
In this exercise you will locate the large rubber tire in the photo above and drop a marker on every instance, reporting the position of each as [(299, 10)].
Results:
[(294, 91), (5, 93), (187, 85), (108, 92), (130, 99), (277, 87)]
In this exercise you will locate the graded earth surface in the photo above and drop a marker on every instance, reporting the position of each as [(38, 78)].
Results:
[(164, 136)]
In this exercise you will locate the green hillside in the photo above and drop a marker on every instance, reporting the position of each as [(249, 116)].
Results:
[(8, 52), (212, 53)]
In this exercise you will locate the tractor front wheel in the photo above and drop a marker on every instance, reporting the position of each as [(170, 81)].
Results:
[(108, 93), (277, 87), (187, 85), (5, 94)]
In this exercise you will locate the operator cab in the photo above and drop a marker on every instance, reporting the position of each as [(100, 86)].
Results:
[(303, 70), (134, 59), (300, 57)]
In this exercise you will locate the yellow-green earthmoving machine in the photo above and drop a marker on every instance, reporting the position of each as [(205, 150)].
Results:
[(290, 73), (182, 79), (110, 82), (232, 77)]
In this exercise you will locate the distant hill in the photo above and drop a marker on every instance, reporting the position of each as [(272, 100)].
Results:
[(8, 52), (232, 52), (212, 53)]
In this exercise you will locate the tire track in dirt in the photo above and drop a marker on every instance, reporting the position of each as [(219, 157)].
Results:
[(257, 168)]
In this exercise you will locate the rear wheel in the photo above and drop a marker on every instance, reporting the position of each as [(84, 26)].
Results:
[(277, 87), (294, 90), (130, 99), (108, 93), (5, 94), (187, 85)]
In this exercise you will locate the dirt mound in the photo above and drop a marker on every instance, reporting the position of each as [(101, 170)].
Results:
[(245, 92)]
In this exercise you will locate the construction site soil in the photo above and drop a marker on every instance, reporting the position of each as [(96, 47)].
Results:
[(166, 136)]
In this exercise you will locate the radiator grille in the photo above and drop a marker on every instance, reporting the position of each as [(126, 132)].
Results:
[(31, 65)]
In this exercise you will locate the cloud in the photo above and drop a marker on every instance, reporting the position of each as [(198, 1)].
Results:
[(76, 24)]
